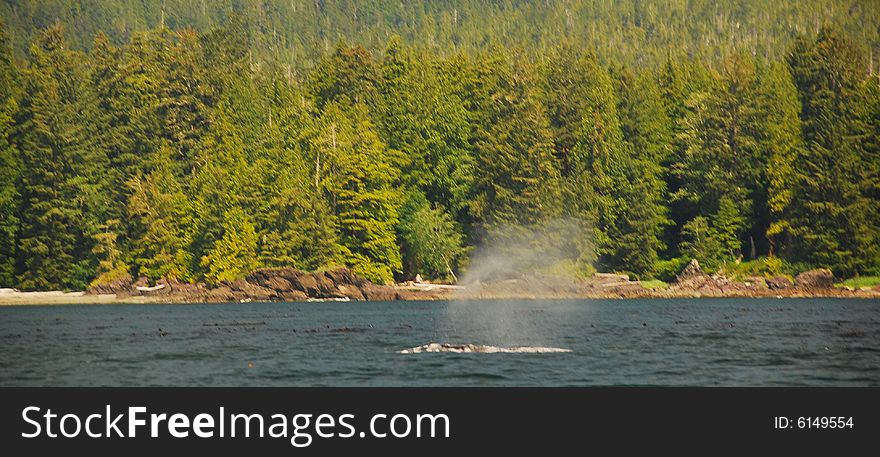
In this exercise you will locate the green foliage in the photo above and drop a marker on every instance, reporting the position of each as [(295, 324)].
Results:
[(164, 222), (517, 178), (292, 216), (423, 117), (432, 243), (703, 242), (233, 255), (169, 152), (359, 178), (10, 168), (111, 266), (348, 76), (860, 282), (720, 170), (834, 219), (766, 267), (667, 270), (63, 191), (728, 223), (783, 143), (638, 232), (635, 32), (654, 284), (106, 250)]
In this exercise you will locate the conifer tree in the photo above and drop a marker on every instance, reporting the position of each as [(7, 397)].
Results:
[(517, 181), (10, 162), (164, 222), (832, 215), (423, 118), (10, 169), (647, 129), (295, 225), (433, 245), (348, 76), (360, 178), (63, 193), (781, 138), (186, 98), (233, 255)]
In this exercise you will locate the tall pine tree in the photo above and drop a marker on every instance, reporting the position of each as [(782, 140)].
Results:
[(63, 181), (833, 217)]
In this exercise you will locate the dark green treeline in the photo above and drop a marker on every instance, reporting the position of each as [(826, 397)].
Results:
[(181, 155)]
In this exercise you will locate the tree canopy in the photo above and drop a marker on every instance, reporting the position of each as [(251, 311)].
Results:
[(160, 150)]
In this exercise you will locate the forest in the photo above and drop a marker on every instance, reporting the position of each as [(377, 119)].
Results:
[(199, 142)]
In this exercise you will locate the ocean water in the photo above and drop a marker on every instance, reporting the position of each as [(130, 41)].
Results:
[(709, 342)]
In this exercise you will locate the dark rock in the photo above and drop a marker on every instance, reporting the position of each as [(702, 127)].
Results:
[(779, 283), (325, 286), (352, 292), (247, 290), (187, 292), (121, 287), (303, 281), (376, 292), (221, 294), (344, 277), (294, 295), (692, 270), (758, 283), (270, 280), (295, 285), (820, 278)]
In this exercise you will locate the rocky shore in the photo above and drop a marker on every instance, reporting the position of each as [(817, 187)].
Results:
[(692, 282), (288, 284)]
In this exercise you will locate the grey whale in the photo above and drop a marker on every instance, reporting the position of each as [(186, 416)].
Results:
[(479, 348)]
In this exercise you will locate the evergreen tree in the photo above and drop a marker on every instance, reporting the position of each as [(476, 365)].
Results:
[(701, 242), (111, 264), (130, 94), (833, 222), (870, 183), (222, 182), (10, 169), (348, 76), (432, 243), (234, 255), (199, 157), (63, 193), (517, 181), (728, 223), (679, 81), (723, 156), (163, 217), (10, 163), (359, 177), (296, 227), (647, 129), (424, 119), (9, 78), (185, 101), (781, 138)]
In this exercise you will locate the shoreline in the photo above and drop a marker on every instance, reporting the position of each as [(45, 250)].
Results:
[(341, 285), (58, 298)]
